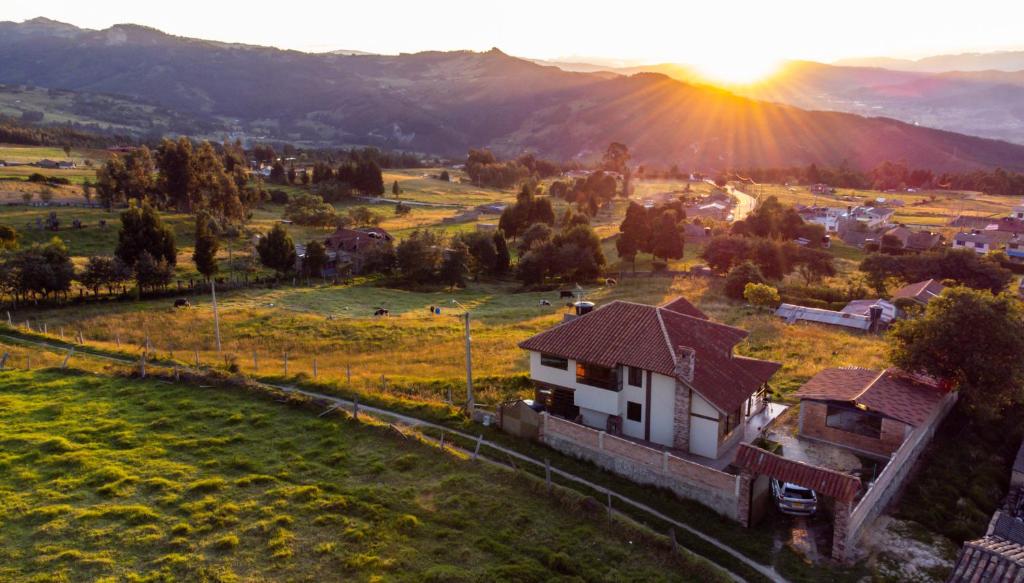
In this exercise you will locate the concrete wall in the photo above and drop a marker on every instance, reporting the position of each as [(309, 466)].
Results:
[(716, 490), (890, 482), (663, 402), (812, 424)]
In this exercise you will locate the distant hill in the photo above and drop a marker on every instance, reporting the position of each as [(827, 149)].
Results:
[(999, 61), (446, 102)]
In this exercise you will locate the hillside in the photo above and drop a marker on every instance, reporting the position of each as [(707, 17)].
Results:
[(447, 102)]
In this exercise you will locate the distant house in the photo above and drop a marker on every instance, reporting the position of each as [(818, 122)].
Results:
[(981, 242), (867, 411), (1007, 224), (351, 245), (66, 165), (921, 292), (821, 189), (828, 217), (915, 241), (873, 217), (718, 211), (48, 164), (1015, 248), (663, 375)]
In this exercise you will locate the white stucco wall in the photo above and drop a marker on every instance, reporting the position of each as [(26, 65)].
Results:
[(597, 404), (703, 432)]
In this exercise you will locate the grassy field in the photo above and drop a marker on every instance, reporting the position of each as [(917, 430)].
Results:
[(334, 324), (131, 480), (926, 208)]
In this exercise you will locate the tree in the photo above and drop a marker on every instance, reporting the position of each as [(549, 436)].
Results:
[(67, 151), (419, 255), (971, 339), (311, 210), (667, 239), (482, 251), (615, 158), (152, 272), (87, 191), (277, 251), (177, 172), (535, 236), (723, 252), (761, 295), (395, 190), (277, 173), (738, 278), (445, 176), (813, 264), (315, 261), (502, 258), (41, 269), (143, 231), (98, 272), (205, 253), (455, 265), (364, 217)]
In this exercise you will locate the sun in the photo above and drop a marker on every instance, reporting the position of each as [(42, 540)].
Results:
[(730, 69)]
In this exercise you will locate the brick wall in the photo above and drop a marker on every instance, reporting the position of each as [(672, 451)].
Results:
[(812, 424), (645, 465)]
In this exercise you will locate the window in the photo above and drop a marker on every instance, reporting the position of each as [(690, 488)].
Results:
[(728, 423), (597, 376), (853, 421), (634, 411), (554, 361), (636, 376)]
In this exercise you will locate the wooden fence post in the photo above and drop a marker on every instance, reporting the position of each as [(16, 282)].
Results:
[(196, 353), (383, 383), (68, 357), (442, 440), (46, 329), (285, 364), (142, 365), (62, 332), (176, 377), (81, 339), (672, 537), (355, 408), (348, 374), (117, 339), (255, 362), (547, 474), (3, 360), (609, 505), (29, 359), (9, 323), (314, 367)]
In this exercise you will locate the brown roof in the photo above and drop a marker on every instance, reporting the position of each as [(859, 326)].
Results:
[(838, 485), (992, 559), (683, 306), (648, 337), (922, 291), (892, 392), (347, 239)]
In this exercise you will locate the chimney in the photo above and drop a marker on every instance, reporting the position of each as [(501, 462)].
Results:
[(686, 362)]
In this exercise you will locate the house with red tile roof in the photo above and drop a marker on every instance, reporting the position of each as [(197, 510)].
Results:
[(870, 412), (665, 375), (347, 247)]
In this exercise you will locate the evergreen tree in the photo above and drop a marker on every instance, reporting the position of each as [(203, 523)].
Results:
[(277, 251), (667, 240), (395, 190), (205, 253), (503, 258), (315, 260), (455, 265), (143, 231)]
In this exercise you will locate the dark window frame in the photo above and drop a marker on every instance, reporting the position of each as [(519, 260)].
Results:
[(639, 377), (548, 359), (637, 408), (600, 377)]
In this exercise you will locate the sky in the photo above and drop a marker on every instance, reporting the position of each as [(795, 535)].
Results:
[(742, 36)]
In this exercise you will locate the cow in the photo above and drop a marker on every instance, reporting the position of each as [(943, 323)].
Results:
[(545, 303), (182, 303), (381, 312), (610, 282)]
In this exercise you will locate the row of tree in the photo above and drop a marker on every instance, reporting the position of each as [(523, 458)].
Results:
[(364, 176), (774, 259), (658, 231), (962, 266), (892, 175)]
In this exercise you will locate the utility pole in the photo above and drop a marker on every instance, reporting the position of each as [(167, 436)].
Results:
[(216, 317), (470, 401)]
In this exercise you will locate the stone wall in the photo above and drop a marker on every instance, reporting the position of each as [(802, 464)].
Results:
[(645, 465), (681, 418)]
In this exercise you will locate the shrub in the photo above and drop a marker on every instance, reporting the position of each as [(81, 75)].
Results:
[(761, 295), (739, 277), (226, 542)]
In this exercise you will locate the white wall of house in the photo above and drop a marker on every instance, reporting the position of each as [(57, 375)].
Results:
[(596, 404), (703, 431)]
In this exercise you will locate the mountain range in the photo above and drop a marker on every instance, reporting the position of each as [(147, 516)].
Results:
[(447, 102)]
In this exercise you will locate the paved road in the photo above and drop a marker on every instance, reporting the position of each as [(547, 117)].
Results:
[(339, 403), (745, 204)]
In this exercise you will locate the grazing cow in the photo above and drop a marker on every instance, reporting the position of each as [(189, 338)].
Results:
[(182, 303), (564, 294), (545, 303), (610, 282), (381, 312)]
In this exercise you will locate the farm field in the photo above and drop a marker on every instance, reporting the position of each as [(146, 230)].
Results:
[(918, 207), (106, 477), (334, 324)]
